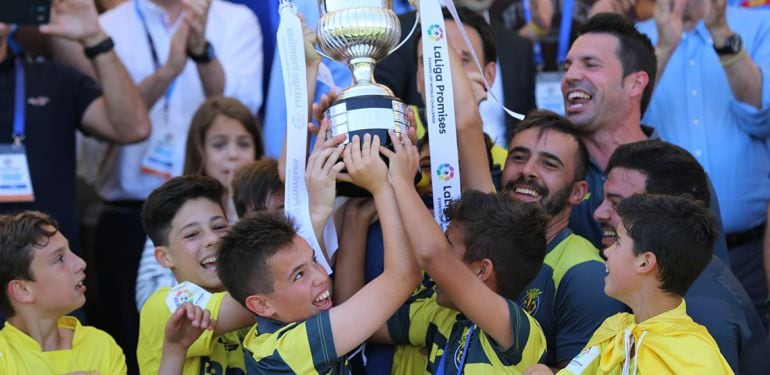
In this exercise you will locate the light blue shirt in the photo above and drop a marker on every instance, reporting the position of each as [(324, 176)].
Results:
[(694, 107), (274, 129)]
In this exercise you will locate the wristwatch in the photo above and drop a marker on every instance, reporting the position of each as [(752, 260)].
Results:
[(205, 57), (733, 45)]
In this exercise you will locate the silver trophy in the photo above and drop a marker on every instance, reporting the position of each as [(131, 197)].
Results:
[(360, 33)]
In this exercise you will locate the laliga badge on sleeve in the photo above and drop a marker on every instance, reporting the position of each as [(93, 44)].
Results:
[(15, 180), (159, 159), (548, 91), (187, 292)]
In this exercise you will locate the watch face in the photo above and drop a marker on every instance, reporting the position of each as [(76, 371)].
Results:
[(733, 45), (734, 42)]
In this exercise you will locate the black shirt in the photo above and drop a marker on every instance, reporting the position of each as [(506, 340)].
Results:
[(56, 99)]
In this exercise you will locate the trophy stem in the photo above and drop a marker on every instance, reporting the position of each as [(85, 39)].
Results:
[(363, 70)]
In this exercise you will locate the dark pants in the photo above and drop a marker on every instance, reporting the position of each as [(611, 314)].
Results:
[(118, 247), (746, 263)]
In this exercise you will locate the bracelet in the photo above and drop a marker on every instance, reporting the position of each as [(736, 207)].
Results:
[(539, 31), (732, 59), (104, 46)]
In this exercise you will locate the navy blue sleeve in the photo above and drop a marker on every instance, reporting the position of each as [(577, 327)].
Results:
[(581, 306)]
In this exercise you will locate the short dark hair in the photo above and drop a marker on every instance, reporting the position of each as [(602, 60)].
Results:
[(19, 234), (635, 50), (670, 169), (164, 202), (547, 120), (679, 230), (509, 233), (478, 23), (253, 184), (244, 254)]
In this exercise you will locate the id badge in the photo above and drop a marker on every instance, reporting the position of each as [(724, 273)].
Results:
[(548, 91), (159, 159), (187, 292), (15, 180)]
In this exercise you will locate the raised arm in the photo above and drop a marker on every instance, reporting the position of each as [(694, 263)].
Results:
[(210, 71), (362, 314), (349, 267), (119, 115), (182, 329), (323, 165), (471, 146), (742, 72), (435, 253)]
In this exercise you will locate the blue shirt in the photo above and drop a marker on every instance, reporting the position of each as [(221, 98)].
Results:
[(567, 296), (267, 14), (717, 300), (694, 107)]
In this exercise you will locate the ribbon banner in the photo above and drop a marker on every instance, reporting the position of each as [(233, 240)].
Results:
[(439, 110), (291, 48)]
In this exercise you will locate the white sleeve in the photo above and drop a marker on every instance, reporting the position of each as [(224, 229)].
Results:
[(151, 275)]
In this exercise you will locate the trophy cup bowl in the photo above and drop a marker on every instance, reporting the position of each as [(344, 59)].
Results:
[(360, 33)]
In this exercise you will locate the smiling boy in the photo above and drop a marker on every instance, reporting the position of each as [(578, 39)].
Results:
[(663, 244), (273, 272), (42, 280), (185, 220)]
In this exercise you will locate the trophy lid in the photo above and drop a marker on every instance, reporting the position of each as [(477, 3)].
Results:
[(334, 5)]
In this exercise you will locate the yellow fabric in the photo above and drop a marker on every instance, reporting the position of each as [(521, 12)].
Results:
[(209, 353), (670, 343), (432, 325), (92, 350), (305, 347), (572, 251)]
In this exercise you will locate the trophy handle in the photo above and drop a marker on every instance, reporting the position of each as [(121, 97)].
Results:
[(414, 27), (323, 54)]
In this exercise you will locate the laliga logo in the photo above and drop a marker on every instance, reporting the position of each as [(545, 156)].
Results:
[(435, 33), (182, 296), (445, 172)]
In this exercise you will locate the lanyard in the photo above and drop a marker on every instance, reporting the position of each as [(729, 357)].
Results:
[(442, 365), (564, 33), (155, 60), (19, 108)]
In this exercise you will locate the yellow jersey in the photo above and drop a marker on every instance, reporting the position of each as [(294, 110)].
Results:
[(92, 350), (669, 343), (208, 354)]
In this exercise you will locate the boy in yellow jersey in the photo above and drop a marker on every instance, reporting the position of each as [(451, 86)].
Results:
[(663, 244), (185, 220), (267, 267), (42, 280), (492, 249)]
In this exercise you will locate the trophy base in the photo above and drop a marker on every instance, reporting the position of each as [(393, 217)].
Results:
[(369, 114)]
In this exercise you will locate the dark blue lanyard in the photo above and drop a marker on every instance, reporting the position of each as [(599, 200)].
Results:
[(155, 59), (19, 107), (564, 33), (442, 362)]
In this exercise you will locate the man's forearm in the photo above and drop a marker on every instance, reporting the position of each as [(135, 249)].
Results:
[(125, 108), (743, 74), (212, 78), (154, 86)]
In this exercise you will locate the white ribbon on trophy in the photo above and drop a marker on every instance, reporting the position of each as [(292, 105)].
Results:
[(439, 110), (453, 11), (291, 48)]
